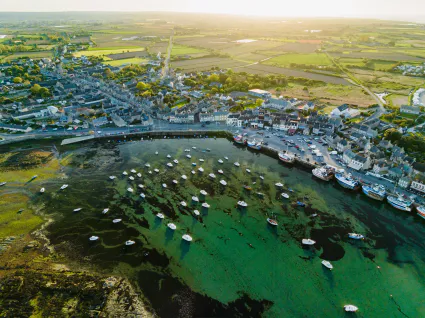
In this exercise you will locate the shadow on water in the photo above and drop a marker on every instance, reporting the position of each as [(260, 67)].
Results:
[(184, 248), (169, 234), (157, 223)]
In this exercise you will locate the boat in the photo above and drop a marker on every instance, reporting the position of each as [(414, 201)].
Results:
[(169, 164), (247, 187), (254, 144), (247, 170), (175, 161), (208, 149), (308, 242), (42, 190), (400, 203), (139, 175), (187, 150), (188, 156), (327, 264), (376, 191), (78, 209), (195, 199), (201, 160), (172, 226), (168, 156), (141, 186), (242, 204), (350, 308), (156, 152), (116, 220), (131, 178), (125, 173), (261, 177), (220, 171), (156, 170), (129, 242), (64, 187), (212, 175), (355, 236), (286, 157), (301, 204), (193, 172), (260, 194), (94, 238), (279, 185), (130, 190), (105, 211), (112, 177), (183, 203), (194, 164), (222, 182), (196, 212), (347, 181), (2, 184), (175, 182), (285, 195), (201, 169), (187, 237), (272, 221), (147, 165), (142, 195), (164, 185), (194, 148), (205, 205), (238, 139), (150, 172), (325, 173), (203, 192), (133, 171), (227, 158), (184, 177), (237, 164), (421, 211), (220, 161), (160, 215)]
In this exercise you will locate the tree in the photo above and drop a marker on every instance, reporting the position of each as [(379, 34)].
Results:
[(17, 80), (259, 102), (392, 135), (35, 89), (141, 86), (213, 78)]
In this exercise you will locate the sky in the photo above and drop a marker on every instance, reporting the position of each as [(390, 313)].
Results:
[(284, 8)]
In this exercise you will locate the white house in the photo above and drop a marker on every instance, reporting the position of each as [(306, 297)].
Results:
[(260, 93), (278, 103), (355, 161), (418, 186), (220, 116), (342, 145), (232, 119), (206, 117), (337, 112)]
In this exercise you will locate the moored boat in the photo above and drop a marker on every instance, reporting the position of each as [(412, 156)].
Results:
[(195, 199), (184, 177), (242, 204), (203, 192), (133, 171), (308, 242), (105, 211), (193, 172), (286, 157), (42, 190), (237, 164), (175, 182), (2, 184), (254, 144), (227, 158), (131, 178), (325, 173), (160, 215), (220, 161), (129, 242), (142, 195), (350, 308), (147, 165), (327, 264), (356, 236), (376, 191), (139, 175), (196, 212), (220, 171), (400, 203), (172, 226), (205, 205), (187, 238), (168, 156), (247, 170), (164, 185), (169, 164), (183, 203), (222, 182), (247, 187), (112, 177), (285, 195), (212, 175), (64, 187), (188, 156), (421, 211), (125, 173), (272, 222), (130, 190), (78, 209), (279, 185), (175, 161), (201, 169), (93, 238), (156, 170), (116, 221), (238, 139), (347, 181)]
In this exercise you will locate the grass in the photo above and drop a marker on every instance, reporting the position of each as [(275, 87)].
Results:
[(185, 50), (133, 60), (113, 48), (33, 55), (308, 59), (106, 51)]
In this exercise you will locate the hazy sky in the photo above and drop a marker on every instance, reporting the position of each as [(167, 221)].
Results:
[(370, 8)]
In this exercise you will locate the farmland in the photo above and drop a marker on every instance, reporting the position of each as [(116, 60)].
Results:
[(180, 50), (134, 60), (33, 55), (203, 64), (107, 52), (286, 60)]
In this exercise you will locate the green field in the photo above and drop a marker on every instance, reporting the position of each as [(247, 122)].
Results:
[(134, 60), (33, 55), (186, 50), (105, 51), (131, 48), (307, 59)]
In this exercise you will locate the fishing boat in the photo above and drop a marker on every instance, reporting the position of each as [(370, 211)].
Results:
[(220, 161), (203, 192), (175, 182), (195, 199), (133, 171), (42, 190), (327, 264), (227, 158), (188, 156), (376, 191), (242, 204), (175, 161), (286, 157), (222, 182), (187, 237), (183, 203), (131, 178), (94, 238), (201, 169), (400, 203), (201, 160), (196, 212), (205, 205), (2, 184), (125, 173), (184, 177), (169, 164), (272, 222), (212, 175), (308, 242), (105, 211), (160, 215), (350, 308), (172, 226), (130, 190), (254, 144), (164, 185), (129, 242), (156, 170), (421, 211), (147, 165), (112, 177), (285, 195), (347, 181), (247, 170), (168, 156), (139, 175), (78, 209), (237, 164), (64, 187), (238, 139), (355, 236), (247, 187), (141, 186), (220, 171), (301, 204), (325, 173), (116, 221), (279, 185), (193, 172)]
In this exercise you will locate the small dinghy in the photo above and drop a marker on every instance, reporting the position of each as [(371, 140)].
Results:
[(350, 308), (112, 177), (272, 222), (130, 242), (125, 173), (156, 152), (279, 185), (242, 204), (201, 169), (169, 164), (220, 161), (78, 209), (175, 161), (261, 177), (194, 164), (142, 195), (194, 148), (260, 194), (64, 187), (247, 170), (247, 187), (237, 164), (184, 177), (150, 172), (201, 160), (183, 203), (220, 171), (164, 185), (308, 242), (131, 178), (156, 170), (212, 175), (193, 172), (175, 182), (227, 158), (94, 238), (141, 186), (196, 212), (285, 195), (133, 171), (187, 238), (187, 150), (205, 205), (222, 182), (105, 211), (355, 236), (130, 190), (147, 165), (116, 220), (168, 156), (203, 192), (160, 216), (188, 156), (139, 175), (327, 264), (42, 190), (195, 199), (172, 226)]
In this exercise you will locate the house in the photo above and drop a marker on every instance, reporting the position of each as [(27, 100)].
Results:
[(351, 113), (386, 144), (232, 119), (395, 172), (343, 145), (100, 121), (356, 161), (404, 182), (15, 128), (278, 103), (206, 117), (418, 186), (337, 112), (410, 110), (365, 130), (260, 93), (380, 167), (220, 116)]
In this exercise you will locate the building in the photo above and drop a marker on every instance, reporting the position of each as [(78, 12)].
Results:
[(15, 128), (339, 110), (206, 117), (343, 145), (260, 93), (418, 186), (232, 119), (356, 161), (278, 103), (380, 167), (404, 182), (410, 110), (220, 116)]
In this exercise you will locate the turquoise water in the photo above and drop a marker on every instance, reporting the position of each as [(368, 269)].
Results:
[(237, 264)]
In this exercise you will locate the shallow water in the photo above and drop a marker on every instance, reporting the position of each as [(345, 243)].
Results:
[(237, 264)]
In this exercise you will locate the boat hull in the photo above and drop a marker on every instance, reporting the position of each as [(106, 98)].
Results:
[(373, 195), (421, 211), (286, 159), (347, 186), (255, 147), (404, 208)]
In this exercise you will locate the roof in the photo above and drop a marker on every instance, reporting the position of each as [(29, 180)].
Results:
[(342, 107)]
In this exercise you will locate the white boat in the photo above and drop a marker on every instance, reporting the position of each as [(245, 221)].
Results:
[(160, 215), (279, 185), (150, 172), (42, 190), (164, 185), (156, 170), (77, 209), (131, 178), (226, 158), (237, 164), (125, 173), (175, 182), (129, 242), (212, 175), (194, 164), (175, 161), (142, 195), (201, 169), (420, 209), (327, 264), (187, 150), (156, 152), (112, 177), (147, 165), (243, 204), (195, 199), (133, 171), (193, 172), (400, 203), (105, 211), (201, 160), (184, 177), (247, 170), (2, 184), (187, 238), (188, 156), (130, 190), (203, 192), (94, 238), (205, 205), (220, 161), (355, 236), (169, 164), (64, 187), (183, 203), (141, 186), (194, 148), (220, 171), (116, 220), (222, 182), (272, 222), (286, 157), (261, 177), (308, 242), (285, 195), (350, 308), (168, 156), (172, 226), (196, 212), (139, 175)]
